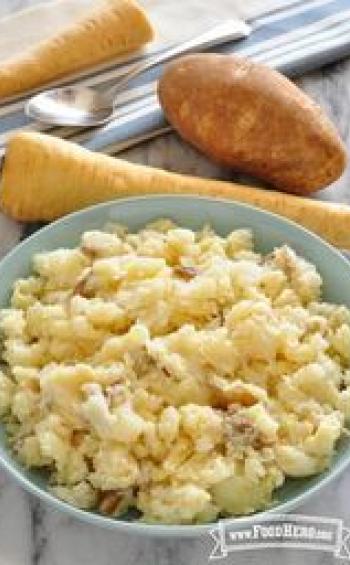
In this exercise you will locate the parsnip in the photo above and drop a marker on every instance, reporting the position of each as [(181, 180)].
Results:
[(45, 177), (113, 28)]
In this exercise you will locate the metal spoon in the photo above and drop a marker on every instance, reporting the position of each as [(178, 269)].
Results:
[(84, 106)]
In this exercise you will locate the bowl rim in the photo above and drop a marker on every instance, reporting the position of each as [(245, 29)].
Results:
[(155, 529)]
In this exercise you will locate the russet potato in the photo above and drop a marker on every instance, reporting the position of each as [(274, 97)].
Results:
[(251, 118)]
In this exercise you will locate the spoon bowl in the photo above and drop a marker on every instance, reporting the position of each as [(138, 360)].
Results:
[(71, 106)]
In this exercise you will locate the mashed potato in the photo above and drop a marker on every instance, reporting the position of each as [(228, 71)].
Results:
[(179, 373)]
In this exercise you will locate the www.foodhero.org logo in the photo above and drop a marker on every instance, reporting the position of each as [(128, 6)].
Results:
[(290, 531)]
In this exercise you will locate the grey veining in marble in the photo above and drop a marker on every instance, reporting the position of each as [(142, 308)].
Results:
[(31, 533)]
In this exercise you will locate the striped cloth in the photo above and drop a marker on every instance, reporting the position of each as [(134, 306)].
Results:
[(298, 37)]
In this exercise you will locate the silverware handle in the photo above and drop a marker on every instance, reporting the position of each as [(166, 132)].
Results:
[(218, 35)]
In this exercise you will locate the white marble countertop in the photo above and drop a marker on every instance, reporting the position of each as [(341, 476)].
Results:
[(31, 533)]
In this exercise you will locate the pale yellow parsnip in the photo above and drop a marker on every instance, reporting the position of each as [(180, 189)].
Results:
[(44, 178), (112, 28)]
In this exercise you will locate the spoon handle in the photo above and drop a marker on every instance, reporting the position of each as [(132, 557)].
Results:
[(218, 35)]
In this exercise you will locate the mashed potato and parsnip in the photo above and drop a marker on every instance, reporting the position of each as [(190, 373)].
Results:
[(180, 373)]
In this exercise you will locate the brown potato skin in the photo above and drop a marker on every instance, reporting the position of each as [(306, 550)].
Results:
[(252, 119)]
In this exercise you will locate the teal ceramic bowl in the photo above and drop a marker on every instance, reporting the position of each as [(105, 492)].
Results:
[(269, 230)]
